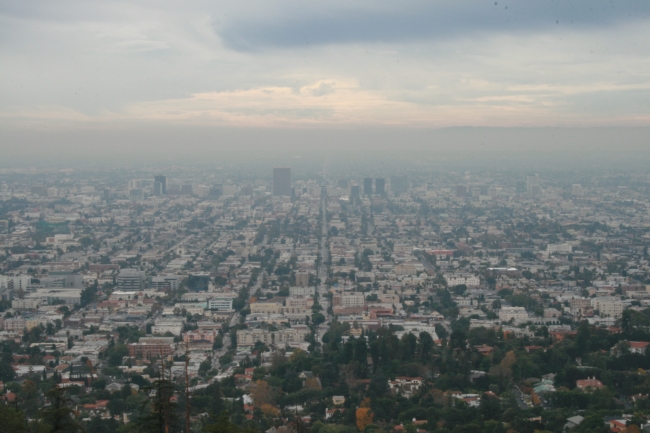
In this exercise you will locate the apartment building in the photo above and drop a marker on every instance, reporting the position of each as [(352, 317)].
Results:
[(508, 313), (15, 325), (200, 335), (302, 291), (273, 306), (25, 304), (608, 307), (248, 337), (354, 300), (149, 350), (220, 304), (466, 279)]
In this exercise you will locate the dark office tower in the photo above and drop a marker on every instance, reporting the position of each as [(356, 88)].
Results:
[(282, 181), (367, 186), (380, 186), (106, 194), (157, 188), (163, 183), (521, 187), (399, 184), (215, 191), (40, 190), (461, 190), (355, 192)]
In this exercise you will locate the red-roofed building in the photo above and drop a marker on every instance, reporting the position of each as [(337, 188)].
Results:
[(561, 335), (10, 397), (618, 425), (484, 350), (639, 347), (329, 413), (243, 378), (588, 384)]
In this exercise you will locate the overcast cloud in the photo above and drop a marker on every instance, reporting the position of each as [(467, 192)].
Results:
[(111, 64)]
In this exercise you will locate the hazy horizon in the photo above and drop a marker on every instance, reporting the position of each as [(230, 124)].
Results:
[(135, 81), (478, 147)]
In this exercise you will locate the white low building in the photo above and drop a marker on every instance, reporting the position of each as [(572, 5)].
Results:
[(517, 313), (466, 279)]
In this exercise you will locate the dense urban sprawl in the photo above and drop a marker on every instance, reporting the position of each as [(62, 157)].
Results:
[(445, 302)]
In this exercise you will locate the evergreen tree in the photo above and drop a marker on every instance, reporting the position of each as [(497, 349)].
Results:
[(161, 416), (58, 417), (12, 420)]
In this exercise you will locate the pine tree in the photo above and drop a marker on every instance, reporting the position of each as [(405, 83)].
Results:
[(12, 420), (58, 417), (162, 416)]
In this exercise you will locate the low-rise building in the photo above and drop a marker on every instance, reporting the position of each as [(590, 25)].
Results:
[(608, 307), (459, 279), (25, 304), (508, 313), (405, 386), (248, 337), (149, 350), (220, 304)]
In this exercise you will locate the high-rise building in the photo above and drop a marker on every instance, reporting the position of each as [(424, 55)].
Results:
[(106, 194), (380, 186), (282, 181), (157, 188), (399, 184), (532, 185), (521, 187), (136, 194), (355, 192), (163, 183), (40, 190), (215, 191), (367, 186)]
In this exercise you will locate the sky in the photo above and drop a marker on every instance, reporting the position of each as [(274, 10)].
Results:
[(86, 67)]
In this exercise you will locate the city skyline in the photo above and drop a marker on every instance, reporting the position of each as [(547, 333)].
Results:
[(325, 217)]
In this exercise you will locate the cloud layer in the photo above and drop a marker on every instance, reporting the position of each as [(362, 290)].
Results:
[(301, 64)]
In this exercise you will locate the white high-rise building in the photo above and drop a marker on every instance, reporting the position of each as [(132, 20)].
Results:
[(532, 185)]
